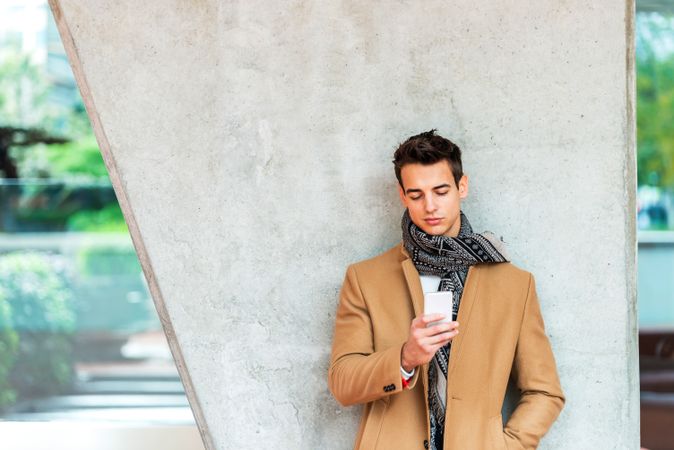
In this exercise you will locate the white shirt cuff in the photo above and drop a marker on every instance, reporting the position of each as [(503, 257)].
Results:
[(406, 375)]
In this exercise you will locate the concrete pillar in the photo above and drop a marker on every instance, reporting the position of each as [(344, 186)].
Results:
[(249, 143)]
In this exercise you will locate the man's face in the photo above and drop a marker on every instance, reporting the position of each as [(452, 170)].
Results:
[(432, 197)]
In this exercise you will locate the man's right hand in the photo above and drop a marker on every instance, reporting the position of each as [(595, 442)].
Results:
[(423, 342)]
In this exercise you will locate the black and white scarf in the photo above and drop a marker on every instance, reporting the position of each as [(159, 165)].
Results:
[(449, 258)]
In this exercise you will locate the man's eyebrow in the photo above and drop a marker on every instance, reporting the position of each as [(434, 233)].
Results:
[(440, 186)]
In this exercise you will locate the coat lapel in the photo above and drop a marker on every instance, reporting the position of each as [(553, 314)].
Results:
[(468, 300), (414, 286)]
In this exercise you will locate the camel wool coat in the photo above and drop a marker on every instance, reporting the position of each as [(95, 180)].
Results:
[(501, 334)]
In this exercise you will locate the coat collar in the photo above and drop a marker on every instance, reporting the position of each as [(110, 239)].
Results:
[(468, 300)]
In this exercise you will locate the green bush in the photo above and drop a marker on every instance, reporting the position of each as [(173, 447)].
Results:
[(107, 260), (9, 345), (107, 219), (36, 289), (81, 157)]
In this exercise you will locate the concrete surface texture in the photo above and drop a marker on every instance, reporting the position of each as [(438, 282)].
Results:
[(250, 145)]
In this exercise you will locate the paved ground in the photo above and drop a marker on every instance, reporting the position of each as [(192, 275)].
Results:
[(135, 404), (96, 436)]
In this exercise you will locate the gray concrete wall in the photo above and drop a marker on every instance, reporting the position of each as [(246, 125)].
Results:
[(250, 145)]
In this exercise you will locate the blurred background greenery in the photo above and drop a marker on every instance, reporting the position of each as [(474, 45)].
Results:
[(72, 292), (655, 120)]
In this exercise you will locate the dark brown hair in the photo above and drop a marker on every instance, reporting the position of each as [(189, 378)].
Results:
[(428, 148)]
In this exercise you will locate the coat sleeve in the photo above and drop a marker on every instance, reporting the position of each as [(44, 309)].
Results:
[(535, 371), (358, 373)]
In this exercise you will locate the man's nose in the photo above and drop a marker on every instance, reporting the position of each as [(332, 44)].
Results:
[(430, 204)]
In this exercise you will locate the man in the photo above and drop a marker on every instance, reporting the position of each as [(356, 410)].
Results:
[(383, 345)]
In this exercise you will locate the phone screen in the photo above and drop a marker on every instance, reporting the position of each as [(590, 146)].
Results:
[(439, 302)]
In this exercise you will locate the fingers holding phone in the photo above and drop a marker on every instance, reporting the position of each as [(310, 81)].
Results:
[(428, 332)]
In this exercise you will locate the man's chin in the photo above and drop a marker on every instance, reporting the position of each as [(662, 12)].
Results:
[(435, 230)]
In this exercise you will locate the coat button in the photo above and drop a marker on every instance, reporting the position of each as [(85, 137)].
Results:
[(426, 444)]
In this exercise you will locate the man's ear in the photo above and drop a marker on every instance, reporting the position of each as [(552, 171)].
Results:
[(463, 187)]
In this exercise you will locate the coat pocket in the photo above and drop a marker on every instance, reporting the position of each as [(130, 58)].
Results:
[(496, 431), (372, 425)]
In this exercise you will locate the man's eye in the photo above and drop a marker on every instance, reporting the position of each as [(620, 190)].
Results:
[(442, 193), (416, 198)]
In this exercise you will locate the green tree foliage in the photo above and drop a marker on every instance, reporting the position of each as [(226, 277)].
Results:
[(23, 89), (25, 98), (25, 102), (655, 99), (109, 219), (77, 158)]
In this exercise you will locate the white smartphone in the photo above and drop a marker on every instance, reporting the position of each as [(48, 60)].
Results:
[(439, 302)]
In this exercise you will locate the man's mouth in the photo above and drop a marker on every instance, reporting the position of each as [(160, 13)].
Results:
[(433, 220)]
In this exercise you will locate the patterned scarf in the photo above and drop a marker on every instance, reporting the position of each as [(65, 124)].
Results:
[(449, 258)]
